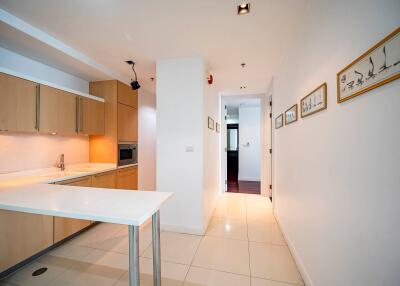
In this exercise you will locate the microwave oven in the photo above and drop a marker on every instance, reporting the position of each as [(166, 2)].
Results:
[(127, 153)]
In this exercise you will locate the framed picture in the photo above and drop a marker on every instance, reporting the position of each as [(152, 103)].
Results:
[(217, 127), (279, 121), (376, 67), (210, 123), (291, 115), (314, 102)]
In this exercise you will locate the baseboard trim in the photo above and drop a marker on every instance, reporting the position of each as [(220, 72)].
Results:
[(299, 262)]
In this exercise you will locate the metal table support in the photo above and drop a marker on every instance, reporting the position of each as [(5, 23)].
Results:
[(156, 249), (134, 271)]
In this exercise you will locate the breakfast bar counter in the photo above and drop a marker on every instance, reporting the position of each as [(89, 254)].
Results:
[(131, 208)]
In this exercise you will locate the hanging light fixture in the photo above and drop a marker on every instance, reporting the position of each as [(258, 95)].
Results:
[(134, 83)]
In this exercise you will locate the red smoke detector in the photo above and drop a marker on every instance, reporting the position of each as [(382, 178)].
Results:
[(210, 79)]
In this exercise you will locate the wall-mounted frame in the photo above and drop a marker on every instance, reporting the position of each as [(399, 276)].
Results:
[(210, 123), (291, 115), (279, 121), (217, 127), (314, 102), (376, 67)]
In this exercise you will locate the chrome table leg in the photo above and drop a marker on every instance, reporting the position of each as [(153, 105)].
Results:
[(134, 273), (156, 249)]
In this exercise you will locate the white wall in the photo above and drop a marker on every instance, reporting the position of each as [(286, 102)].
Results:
[(336, 173), (20, 152), (249, 143), (187, 151), (211, 164), (147, 141), (180, 126)]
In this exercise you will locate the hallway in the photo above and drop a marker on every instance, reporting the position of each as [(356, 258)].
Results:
[(243, 246)]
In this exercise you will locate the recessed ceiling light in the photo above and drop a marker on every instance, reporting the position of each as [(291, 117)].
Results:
[(243, 8)]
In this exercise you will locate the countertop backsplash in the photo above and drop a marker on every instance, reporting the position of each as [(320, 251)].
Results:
[(20, 152)]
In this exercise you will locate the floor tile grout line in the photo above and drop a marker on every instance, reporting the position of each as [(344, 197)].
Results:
[(248, 240), (191, 262)]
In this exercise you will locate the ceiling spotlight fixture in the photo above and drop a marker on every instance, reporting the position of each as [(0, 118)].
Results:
[(243, 87), (152, 78), (243, 8), (243, 65), (134, 83)]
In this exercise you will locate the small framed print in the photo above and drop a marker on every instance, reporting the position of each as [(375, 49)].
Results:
[(314, 102), (377, 66), (279, 121), (291, 115), (210, 123), (217, 127)]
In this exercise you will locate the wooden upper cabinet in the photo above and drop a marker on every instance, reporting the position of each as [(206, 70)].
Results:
[(48, 109), (126, 95), (18, 104), (127, 178), (23, 235), (91, 116), (67, 113), (127, 123), (104, 180)]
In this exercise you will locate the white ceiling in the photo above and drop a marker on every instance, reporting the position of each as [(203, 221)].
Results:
[(111, 32)]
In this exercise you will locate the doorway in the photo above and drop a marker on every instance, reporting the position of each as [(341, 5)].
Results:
[(243, 145)]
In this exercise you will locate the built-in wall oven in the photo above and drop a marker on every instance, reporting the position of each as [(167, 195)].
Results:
[(127, 153)]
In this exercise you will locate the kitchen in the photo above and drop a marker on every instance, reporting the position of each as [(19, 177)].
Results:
[(107, 119)]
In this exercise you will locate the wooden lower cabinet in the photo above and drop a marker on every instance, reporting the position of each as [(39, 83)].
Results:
[(127, 178), (23, 235), (105, 180), (64, 227)]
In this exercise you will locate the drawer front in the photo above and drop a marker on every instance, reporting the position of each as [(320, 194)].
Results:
[(105, 180), (127, 178)]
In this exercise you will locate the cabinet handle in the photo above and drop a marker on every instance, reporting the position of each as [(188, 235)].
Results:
[(37, 121), (77, 114), (80, 115)]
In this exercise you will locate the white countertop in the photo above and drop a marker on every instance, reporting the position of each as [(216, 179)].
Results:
[(34, 192), (54, 175), (98, 204)]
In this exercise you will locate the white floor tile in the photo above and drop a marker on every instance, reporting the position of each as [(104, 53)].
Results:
[(264, 282), (205, 277), (223, 254), (267, 232), (227, 228), (172, 274), (273, 262), (176, 247)]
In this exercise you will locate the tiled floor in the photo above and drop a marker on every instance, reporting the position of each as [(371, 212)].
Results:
[(243, 246)]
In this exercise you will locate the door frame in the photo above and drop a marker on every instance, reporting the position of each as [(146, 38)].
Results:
[(265, 141)]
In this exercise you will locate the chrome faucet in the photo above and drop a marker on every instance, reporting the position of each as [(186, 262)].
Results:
[(61, 165)]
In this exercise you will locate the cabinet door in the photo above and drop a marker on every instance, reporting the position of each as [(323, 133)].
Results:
[(127, 178), (18, 100), (67, 120), (127, 123), (23, 235), (104, 180), (126, 95), (48, 109), (91, 114), (64, 227)]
